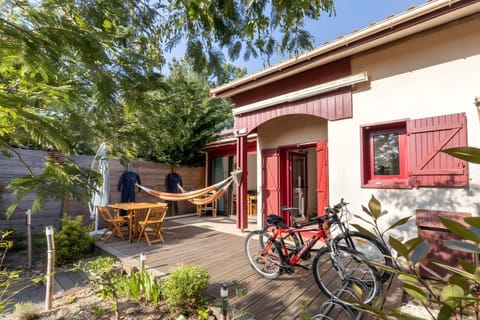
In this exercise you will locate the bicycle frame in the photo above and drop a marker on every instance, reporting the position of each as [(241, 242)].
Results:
[(319, 234)]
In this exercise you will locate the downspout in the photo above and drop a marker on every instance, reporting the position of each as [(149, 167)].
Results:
[(242, 215)]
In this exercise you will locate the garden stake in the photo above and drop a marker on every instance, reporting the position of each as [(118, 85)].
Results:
[(142, 261), (50, 268), (28, 218)]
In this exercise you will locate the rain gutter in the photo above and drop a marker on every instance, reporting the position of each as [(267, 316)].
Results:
[(340, 48)]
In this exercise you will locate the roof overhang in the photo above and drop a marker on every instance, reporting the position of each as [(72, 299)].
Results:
[(304, 93), (412, 21)]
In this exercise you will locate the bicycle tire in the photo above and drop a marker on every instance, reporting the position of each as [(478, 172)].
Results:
[(346, 277), (265, 262), (371, 247)]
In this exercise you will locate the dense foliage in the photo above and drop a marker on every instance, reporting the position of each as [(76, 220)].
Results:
[(74, 74), (73, 241)]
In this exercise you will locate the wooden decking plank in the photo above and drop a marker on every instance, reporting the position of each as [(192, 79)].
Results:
[(290, 287), (223, 255)]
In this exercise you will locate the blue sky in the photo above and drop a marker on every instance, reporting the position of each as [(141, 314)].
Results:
[(350, 15)]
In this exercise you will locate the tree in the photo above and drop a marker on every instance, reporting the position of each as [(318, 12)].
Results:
[(76, 69), (186, 118)]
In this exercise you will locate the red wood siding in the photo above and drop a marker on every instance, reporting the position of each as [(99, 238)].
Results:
[(427, 137), (334, 105), (270, 177), (229, 150), (306, 79)]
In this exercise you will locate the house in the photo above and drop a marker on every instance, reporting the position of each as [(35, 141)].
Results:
[(365, 114)]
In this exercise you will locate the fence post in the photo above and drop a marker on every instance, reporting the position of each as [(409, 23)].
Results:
[(50, 268), (28, 218)]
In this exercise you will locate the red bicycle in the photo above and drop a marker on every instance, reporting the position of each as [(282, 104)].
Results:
[(270, 254)]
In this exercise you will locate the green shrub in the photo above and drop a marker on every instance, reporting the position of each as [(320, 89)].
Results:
[(5, 244), (7, 279), (454, 296), (184, 289), (73, 242), (106, 274), (26, 311)]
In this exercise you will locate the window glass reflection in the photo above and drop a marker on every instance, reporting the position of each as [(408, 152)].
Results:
[(386, 154)]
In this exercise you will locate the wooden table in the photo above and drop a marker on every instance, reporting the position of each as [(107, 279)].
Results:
[(135, 210)]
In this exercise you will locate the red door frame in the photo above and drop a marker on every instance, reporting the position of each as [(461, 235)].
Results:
[(322, 176)]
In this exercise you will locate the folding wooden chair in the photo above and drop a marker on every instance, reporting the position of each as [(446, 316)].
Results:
[(116, 225), (151, 226), (211, 206)]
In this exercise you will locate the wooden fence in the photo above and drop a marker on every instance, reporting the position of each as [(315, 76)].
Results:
[(151, 174)]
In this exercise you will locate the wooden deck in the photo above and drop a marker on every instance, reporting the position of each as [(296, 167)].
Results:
[(222, 254)]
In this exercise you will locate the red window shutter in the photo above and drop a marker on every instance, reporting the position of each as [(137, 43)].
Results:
[(322, 176), (427, 137), (270, 177)]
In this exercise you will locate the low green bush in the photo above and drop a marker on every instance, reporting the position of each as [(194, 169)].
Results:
[(184, 289), (73, 241)]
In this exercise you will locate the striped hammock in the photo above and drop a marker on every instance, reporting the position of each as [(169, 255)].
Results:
[(200, 196)]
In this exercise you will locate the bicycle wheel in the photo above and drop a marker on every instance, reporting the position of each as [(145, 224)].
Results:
[(345, 276), (262, 254), (372, 248)]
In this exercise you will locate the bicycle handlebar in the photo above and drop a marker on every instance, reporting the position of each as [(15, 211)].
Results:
[(336, 208)]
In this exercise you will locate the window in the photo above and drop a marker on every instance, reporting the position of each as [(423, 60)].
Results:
[(385, 153), (407, 153)]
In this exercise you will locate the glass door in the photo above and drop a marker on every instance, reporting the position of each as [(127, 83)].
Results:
[(297, 186)]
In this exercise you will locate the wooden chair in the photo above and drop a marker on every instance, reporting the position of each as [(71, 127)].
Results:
[(151, 226), (116, 225), (204, 208)]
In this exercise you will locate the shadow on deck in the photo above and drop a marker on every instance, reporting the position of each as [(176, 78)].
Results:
[(217, 245)]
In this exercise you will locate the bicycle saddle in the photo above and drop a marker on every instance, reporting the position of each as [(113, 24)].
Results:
[(285, 208), (275, 220)]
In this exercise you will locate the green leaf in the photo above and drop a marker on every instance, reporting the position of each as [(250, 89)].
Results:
[(420, 252), (459, 229), (470, 154), (382, 266), (473, 221), (408, 278), (458, 271), (398, 223), (455, 279), (415, 292), (461, 246), (469, 267), (398, 246), (449, 294), (413, 243), (445, 313), (363, 230), (375, 207), (475, 230)]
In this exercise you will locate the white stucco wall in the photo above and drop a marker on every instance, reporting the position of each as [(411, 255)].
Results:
[(291, 130), (432, 74)]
